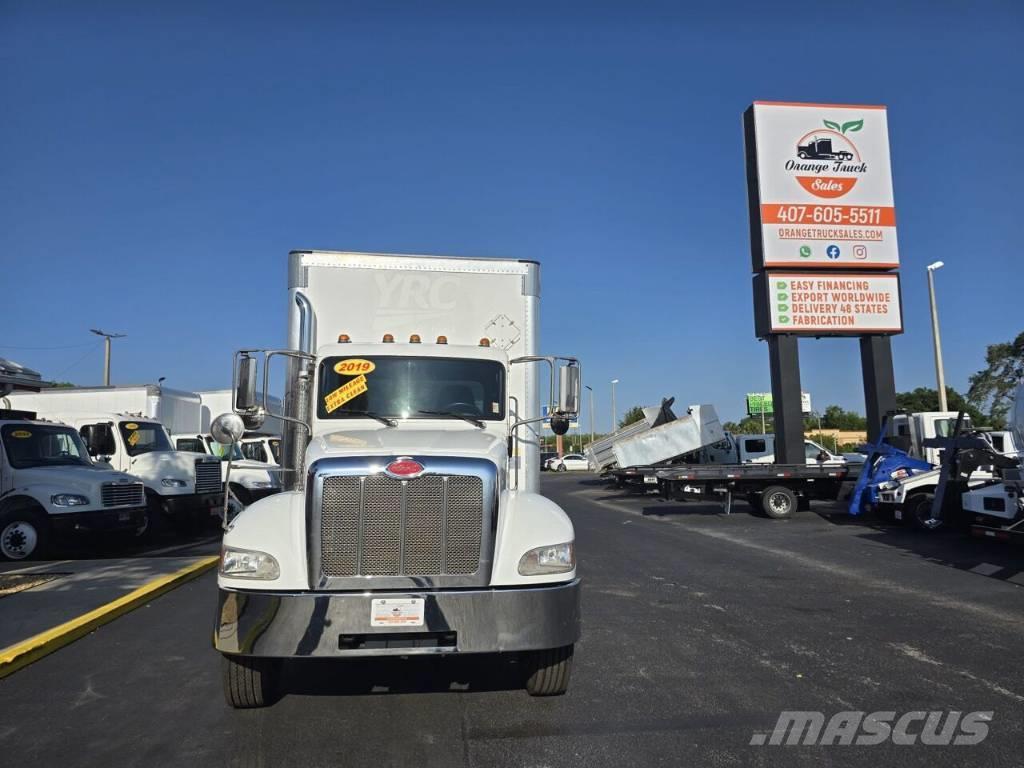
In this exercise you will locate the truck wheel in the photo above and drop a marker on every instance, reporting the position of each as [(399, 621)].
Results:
[(251, 681), (549, 671), (779, 502), (24, 533), (918, 509)]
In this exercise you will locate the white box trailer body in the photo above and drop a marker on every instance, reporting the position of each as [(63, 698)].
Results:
[(691, 432), (176, 409), (411, 522)]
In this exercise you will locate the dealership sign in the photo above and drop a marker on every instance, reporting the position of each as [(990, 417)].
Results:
[(827, 304), (820, 186), (760, 403)]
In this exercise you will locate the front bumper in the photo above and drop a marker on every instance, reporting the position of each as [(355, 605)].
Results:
[(336, 625), (192, 503), (100, 520)]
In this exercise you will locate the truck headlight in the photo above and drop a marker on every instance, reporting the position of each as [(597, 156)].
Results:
[(68, 500), (173, 482), (248, 564), (554, 558)]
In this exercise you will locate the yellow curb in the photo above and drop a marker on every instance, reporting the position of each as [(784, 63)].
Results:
[(19, 655)]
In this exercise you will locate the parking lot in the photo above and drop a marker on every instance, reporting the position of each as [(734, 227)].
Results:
[(699, 630)]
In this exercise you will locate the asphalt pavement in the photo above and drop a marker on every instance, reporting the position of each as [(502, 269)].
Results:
[(699, 630)]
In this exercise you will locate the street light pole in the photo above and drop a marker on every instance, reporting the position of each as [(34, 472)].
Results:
[(591, 412), (940, 374), (614, 411), (106, 352)]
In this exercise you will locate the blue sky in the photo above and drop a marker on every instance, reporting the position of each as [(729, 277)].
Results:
[(158, 165)]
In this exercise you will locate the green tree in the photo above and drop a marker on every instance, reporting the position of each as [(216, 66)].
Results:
[(633, 415), (927, 399), (835, 417), (749, 425), (991, 389)]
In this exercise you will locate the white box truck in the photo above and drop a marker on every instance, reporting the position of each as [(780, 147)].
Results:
[(411, 522), (124, 429)]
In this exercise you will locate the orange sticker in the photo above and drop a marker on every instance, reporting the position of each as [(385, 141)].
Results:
[(344, 393), (21, 434), (354, 366), (131, 425), (133, 438)]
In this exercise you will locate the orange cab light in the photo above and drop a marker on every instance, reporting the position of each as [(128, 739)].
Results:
[(388, 338), (485, 342), (343, 338), (442, 339), (414, 339)]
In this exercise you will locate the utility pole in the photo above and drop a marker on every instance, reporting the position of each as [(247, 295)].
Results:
[(940, 374), (106, 352), (614, 412), (591, 413)]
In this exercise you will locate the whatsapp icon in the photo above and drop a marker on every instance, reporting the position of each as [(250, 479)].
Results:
[(805, 251)]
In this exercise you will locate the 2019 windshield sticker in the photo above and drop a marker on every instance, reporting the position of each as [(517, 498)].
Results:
[(344, 393), (21, 434), (131, 425), (354, 366)]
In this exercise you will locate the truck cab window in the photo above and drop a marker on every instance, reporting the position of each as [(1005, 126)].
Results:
[(405, 387), (755, 446), (193, 444), (143, 437), (38, 445)]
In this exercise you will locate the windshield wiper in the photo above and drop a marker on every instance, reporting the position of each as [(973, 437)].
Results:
[(456, 415), (371, 415)]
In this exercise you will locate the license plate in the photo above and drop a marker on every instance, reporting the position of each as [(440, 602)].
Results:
[(396, 612), (124, 517), (651, 480)]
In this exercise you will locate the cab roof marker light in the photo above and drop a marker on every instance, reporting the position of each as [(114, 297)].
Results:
[(343, 338), (414, 338), (388, 339), (442, 339), (485, 342)]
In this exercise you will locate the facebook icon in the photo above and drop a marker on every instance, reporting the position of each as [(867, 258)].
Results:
[(832, 251)]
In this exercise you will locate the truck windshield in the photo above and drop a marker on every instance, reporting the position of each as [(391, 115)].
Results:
[(405, 387), (43, 445), (222, 452), (144, 437)]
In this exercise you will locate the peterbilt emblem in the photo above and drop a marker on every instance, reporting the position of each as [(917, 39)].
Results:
[(404, 468)]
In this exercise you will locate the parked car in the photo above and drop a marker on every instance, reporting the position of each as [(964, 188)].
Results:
[(571, 461), (545, 457)]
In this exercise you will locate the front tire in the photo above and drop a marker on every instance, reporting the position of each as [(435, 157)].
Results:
[(251, 681), (24, 533), (918, 509), (549, 671), (561, 467), (779, 502)]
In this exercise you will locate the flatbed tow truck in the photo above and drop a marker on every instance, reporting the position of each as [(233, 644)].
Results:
[(776, 490)]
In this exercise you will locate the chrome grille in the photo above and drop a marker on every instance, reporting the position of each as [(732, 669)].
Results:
[(123, 495), (207, 476), (376, 525)]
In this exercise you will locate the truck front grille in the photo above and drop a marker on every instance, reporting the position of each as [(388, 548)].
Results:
[(207, 476), (123, 495), (375, 525)]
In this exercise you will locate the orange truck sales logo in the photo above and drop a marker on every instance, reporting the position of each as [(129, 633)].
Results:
[(831, 156)]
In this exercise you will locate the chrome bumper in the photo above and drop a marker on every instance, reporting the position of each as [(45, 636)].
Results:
[(295, 624)]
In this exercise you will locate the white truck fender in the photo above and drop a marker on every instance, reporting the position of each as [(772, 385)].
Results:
[(275, 525), (528, 520)]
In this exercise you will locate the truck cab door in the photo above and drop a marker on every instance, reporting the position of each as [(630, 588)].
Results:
[(6, 473), (101, 441)]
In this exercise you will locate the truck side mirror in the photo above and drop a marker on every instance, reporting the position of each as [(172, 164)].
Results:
[(560, 423), (99, 439), (245, 391), (569, 390)]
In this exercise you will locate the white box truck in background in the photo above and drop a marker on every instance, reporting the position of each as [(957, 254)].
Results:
[(214, 402), (412, 523), (124, 428)]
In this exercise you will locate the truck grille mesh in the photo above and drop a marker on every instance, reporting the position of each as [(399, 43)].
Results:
[(207, 476), (122, 495), (379, 526)]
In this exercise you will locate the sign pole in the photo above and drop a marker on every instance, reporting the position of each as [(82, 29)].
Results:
[(784, 362), (879, 381)]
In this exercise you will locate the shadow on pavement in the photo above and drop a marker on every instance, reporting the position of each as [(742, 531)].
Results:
[(368, 676)]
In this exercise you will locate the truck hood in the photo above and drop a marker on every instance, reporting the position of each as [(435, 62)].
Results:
[(84, 480), (405, 441), (155, 465)]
